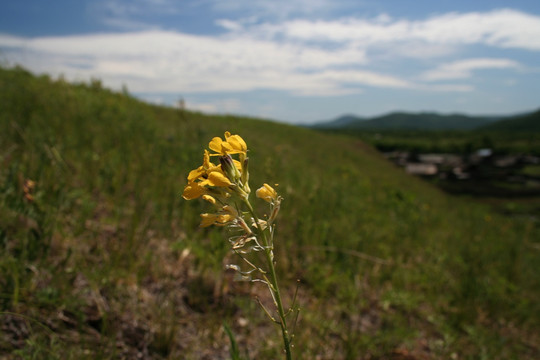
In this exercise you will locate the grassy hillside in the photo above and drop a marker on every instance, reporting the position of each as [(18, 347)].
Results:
[(410, 121), (102, 259), (523, 123), (448, 141)]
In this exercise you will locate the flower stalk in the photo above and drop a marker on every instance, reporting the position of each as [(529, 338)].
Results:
[(225, 187), (273, 286)]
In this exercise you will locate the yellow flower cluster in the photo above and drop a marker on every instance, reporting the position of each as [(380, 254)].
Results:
[(225, 186), (230, 176), (221, 184)]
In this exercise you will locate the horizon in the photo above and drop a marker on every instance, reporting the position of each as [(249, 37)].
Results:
[(424, 112), (296, 62)]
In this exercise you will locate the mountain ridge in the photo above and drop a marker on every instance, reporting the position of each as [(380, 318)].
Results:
[(523, 122), (401, 120)]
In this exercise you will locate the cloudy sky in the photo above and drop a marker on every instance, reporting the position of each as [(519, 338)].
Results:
[(297, 61)]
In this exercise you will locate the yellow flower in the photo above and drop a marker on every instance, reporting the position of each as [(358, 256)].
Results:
[(193, 190), (233, 144), (208, 219), (267, 193), (207, 164), (225, 216), (236, 142), (196, 174), (202, 170), (208, 174), (217, 178), (224, 179), (210, 199)]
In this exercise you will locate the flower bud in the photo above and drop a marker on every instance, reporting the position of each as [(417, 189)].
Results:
[(267, 193), (209, 198), (245, 173), (228, 167)]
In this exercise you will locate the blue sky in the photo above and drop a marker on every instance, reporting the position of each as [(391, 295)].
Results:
[(297, 61)]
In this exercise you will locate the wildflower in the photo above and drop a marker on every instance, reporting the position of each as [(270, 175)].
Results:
[(209, 198), (208, 174), (226, 215), (28, 188), (225, 186), (193, 190), (233, 144), (205, 168), (208, 219), (267, 193), (217, 178)]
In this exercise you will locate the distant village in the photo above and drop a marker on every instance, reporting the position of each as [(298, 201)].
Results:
[(485, 170)]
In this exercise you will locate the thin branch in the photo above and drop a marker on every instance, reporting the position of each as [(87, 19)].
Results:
[(249, 262), (294, 323), (266, 311), (294, 298)]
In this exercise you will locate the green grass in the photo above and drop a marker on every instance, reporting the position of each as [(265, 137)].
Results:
[(449, 141), (531, 170), (107, 260)]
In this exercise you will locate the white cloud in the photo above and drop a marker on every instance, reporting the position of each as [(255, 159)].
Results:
[(500, 28), (229, 24), (9, 41), (303, 57), (464, 68), (157, 61), (223, 106)]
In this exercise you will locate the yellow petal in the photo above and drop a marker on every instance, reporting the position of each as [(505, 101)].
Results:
[(207, 165), (210, 199), (266, 192), (215, 144), (226, 148), (195, 174), (208, 219), (193, 190), (237, 143), (224, 218), (217, 178)]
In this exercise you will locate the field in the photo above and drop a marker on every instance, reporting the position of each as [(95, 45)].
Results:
[(508, 180), (101, 258), (451, 141)]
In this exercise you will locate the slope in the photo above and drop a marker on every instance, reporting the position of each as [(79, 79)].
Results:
[(523, 123), (410, 121), (101, 258)]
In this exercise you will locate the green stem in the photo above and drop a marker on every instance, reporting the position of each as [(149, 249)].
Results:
[(274, 284)]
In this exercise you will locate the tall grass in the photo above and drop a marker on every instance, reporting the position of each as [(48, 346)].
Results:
[(108, 258)]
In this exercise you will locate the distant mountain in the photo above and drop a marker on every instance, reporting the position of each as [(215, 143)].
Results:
[(410, 121), (527, 122), (340, 122)]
